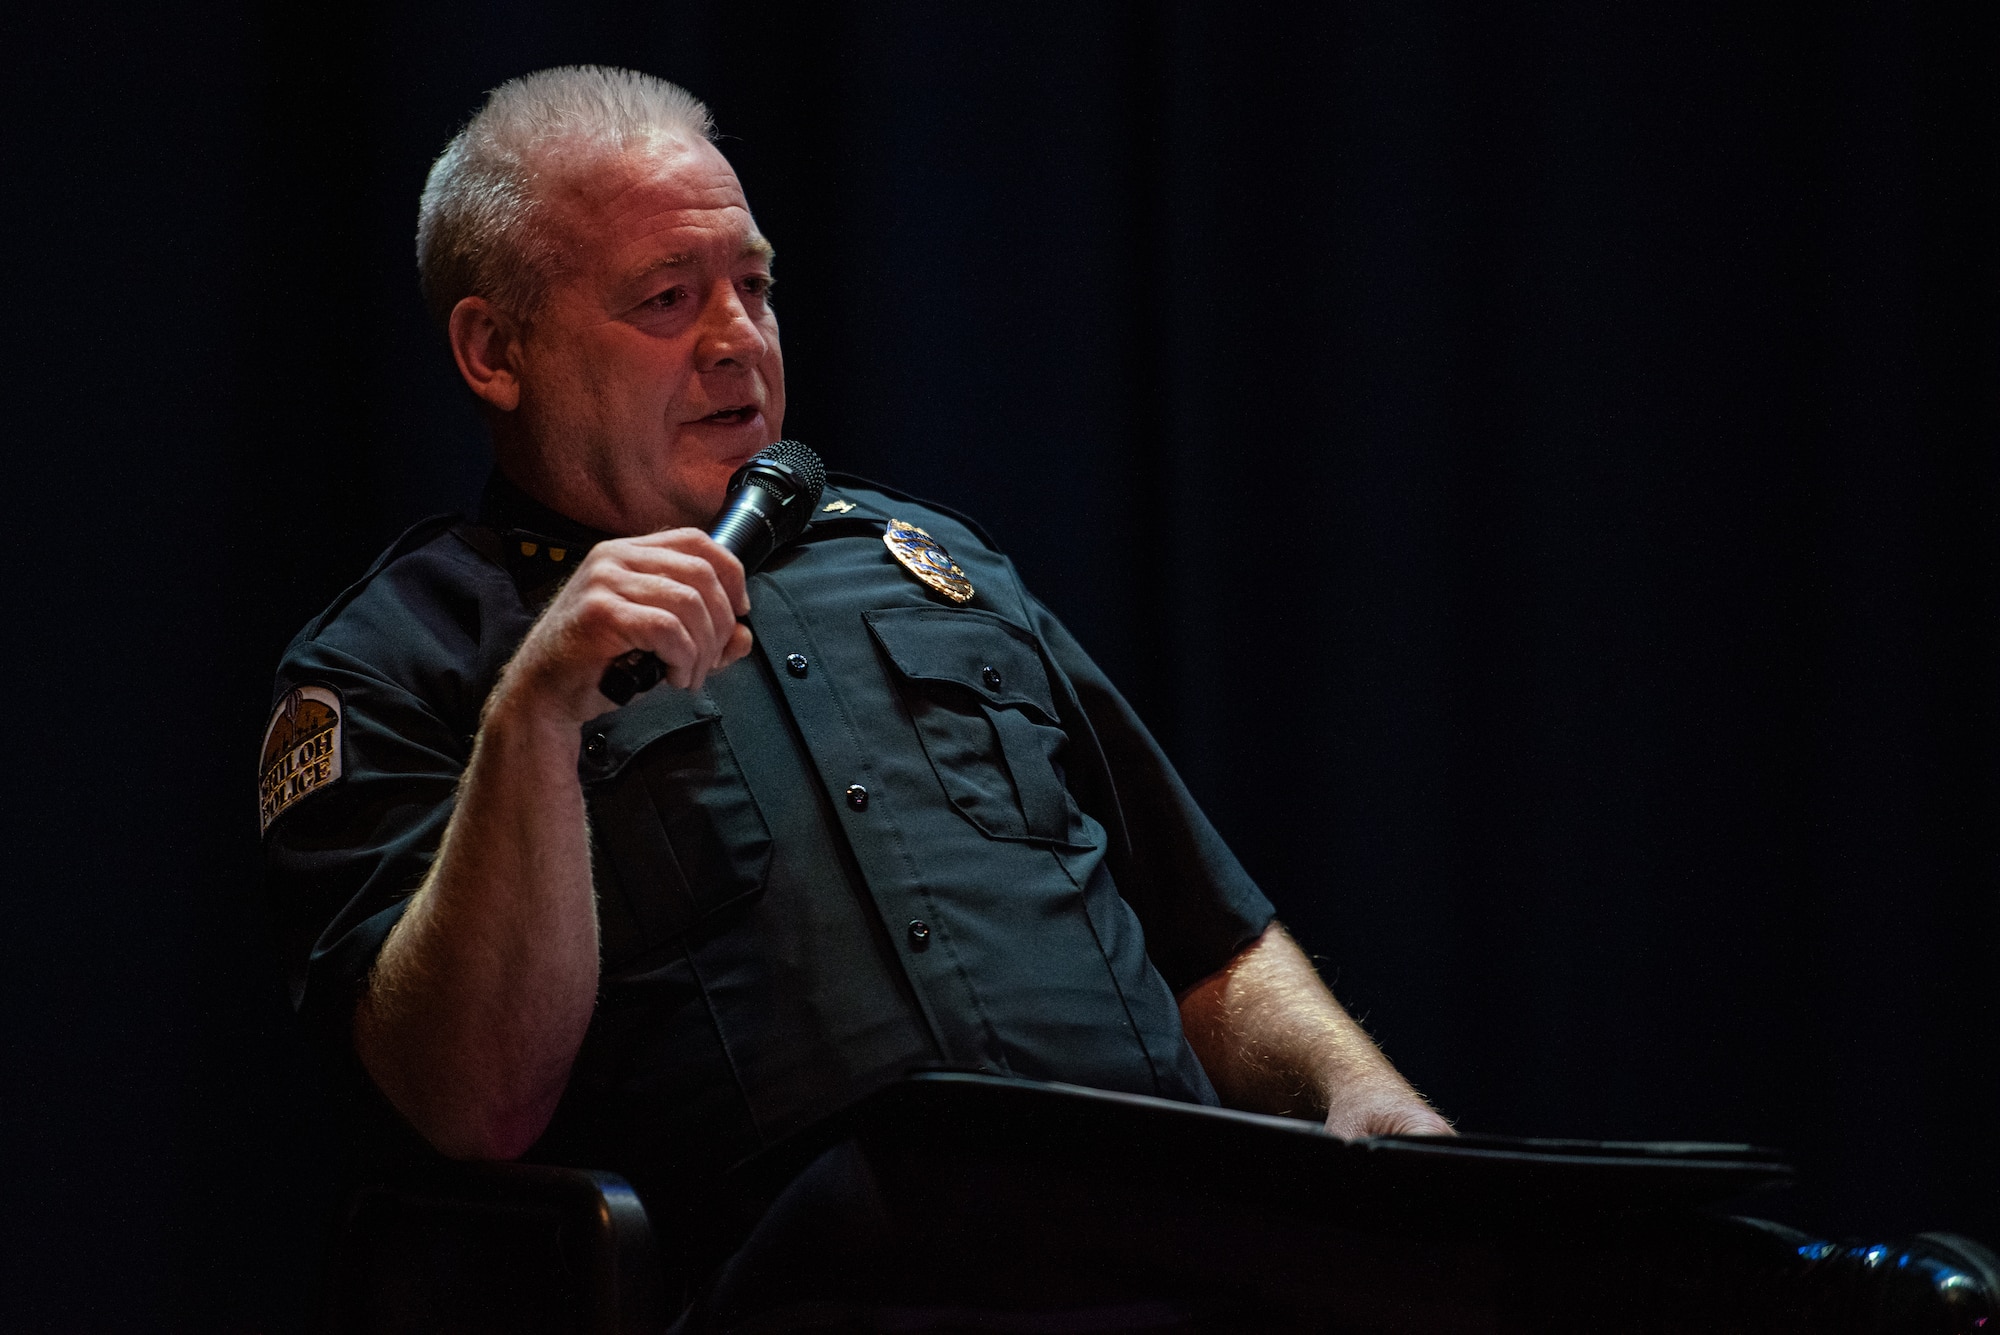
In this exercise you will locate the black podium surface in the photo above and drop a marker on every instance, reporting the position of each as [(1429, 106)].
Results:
[(1279, 1160), (1054, 1203), (954, 1201)]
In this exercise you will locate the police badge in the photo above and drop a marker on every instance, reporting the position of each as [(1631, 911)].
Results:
[(923, 557)]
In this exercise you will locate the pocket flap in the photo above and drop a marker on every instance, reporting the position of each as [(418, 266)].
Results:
[(986, 654), (611, 740)]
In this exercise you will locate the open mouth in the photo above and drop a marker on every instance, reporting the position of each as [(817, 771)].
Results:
[(730, 416)]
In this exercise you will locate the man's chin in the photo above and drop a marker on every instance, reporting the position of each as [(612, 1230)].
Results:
[(707, 506)]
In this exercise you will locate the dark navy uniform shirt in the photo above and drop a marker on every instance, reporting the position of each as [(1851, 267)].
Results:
[(902, 832)]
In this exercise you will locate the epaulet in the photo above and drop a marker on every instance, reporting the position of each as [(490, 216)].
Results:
[(978, 529), (415, 536)]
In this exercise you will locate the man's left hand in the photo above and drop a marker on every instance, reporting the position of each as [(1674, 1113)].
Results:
[(1388, 1108), (1272, 1038)]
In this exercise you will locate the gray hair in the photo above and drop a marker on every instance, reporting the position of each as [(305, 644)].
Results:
[(480, 226)]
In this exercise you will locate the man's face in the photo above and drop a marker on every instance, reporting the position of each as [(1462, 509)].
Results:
[(652, 371)]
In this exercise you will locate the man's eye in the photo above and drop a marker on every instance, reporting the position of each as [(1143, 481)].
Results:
[(668, 299), (759, 285)]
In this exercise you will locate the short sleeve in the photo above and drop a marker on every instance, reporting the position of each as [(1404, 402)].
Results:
[(1196, 903), (341, 861)]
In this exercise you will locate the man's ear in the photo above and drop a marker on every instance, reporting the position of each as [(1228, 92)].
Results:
[(486, 344)]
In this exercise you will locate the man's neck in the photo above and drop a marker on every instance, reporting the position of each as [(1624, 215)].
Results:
[(506, 505)]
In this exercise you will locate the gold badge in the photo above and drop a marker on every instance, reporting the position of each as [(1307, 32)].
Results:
[(301, 751), (923, 557), (836, 507)]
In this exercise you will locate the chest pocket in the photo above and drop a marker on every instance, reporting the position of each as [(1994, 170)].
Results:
[(976, 688), (676, 833)]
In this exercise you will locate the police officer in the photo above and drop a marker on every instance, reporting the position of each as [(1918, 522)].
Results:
[(875, 818)]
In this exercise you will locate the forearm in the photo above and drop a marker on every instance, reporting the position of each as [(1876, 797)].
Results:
[(1273, 1039), (481, 996)]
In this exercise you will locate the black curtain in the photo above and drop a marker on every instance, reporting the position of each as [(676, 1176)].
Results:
[(1534, 466)]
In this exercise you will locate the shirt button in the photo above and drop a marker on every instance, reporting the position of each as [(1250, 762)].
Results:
[(991, 676), (857, 797), (593, 745), (796, 664), (920, 933)]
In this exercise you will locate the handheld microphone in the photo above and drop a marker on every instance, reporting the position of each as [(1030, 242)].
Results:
[(768, 503)]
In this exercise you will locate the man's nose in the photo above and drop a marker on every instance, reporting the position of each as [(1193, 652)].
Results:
[(728, 334)]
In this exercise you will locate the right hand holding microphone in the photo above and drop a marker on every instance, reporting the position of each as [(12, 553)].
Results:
[(768, 502), (676, 594)]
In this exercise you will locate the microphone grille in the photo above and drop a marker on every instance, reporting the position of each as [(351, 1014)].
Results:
[(802, 463)]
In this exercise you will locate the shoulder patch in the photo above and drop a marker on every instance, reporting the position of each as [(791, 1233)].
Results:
[(301, 752)]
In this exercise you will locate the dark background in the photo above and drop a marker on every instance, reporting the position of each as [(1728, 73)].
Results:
[(1534, 465)]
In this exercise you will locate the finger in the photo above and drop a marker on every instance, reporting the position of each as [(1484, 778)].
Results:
[(729, 573), (684, 609), (735, 581), (1408, 1122), (708, 582), (1431, 1126), (667, 636), (665, 593), (700, 571), (740, 641), (693, 542), (719, 575)]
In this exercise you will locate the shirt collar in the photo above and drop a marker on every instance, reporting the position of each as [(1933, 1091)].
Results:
[(838, 510)]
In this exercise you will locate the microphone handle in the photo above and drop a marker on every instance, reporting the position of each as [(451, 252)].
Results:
[(631, 672), (744, 531)]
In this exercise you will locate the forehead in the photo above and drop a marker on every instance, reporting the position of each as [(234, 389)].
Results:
[(637, 211)]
